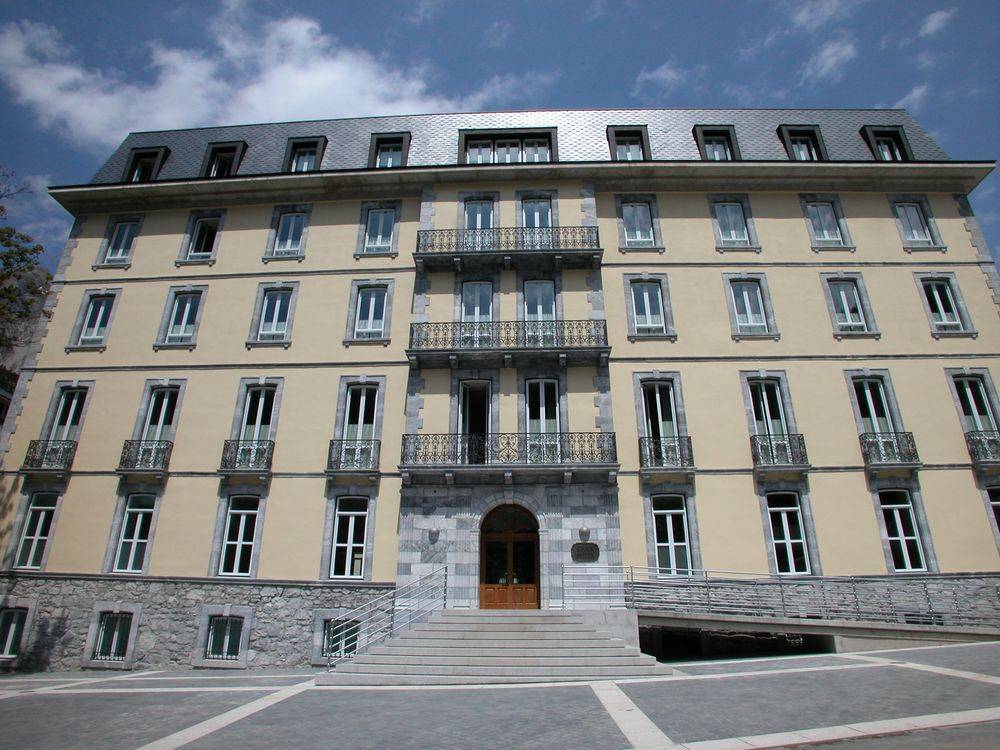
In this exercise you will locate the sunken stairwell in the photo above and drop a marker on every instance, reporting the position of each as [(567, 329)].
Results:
[(457, 647)]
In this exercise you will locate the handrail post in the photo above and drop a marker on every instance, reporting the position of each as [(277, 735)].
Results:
[(781, 594), (444, 595), (562, 585), (857, 601)]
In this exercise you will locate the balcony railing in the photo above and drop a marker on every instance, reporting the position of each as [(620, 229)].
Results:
[(509, 449), (984, 447), (666, 452), (506, 239), (778, 451), (509, 334), (145, 455), (353, 455), (889, 448), (247, 456), (49, 455)]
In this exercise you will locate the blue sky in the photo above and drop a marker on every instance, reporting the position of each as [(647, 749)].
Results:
[(76, 77)]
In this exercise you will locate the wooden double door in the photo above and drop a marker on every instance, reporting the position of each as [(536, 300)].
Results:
[(508, 560)]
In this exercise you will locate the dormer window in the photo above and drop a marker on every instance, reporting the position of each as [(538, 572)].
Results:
[(304, 159), (304, 154), (628, 143), (507, 148), (144, 164), (717, 142), (223, 159), (887, 143), (388, 150), (803, 142)]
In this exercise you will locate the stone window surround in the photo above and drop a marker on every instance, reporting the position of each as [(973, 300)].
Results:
[(239, 147), (335, 493), (989, 387), (218, 537), (911, 486), (787, 132), (892, 403), (801, 491), (162, 153), (499, 134), (524, 374), (241, 399), (19, 602), (700, 131), (744, 200), (520, 196), (320, 616), (670, 332), (263, 288), (614, 131), (936, 244), (352, 312), (180, 384), (272, 232), (654, 214), (113, 221), (685, 491), (492, 376), (126, 491), (101, 607), (968, 329), (765, 296), (193, 218), (366, 207), (869, 132), (206, 611), (478, 195), (539, 274), (161, 333), (29, 491), (866, 308), (56, 397), (403, 137), (348, 381), (846, 243), (467, 277), (639, 379), (746, 376), (320, 143), (88, 296)]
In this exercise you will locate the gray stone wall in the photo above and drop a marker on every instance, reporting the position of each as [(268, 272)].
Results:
[(281, 626)]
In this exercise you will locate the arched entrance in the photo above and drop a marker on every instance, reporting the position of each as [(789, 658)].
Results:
[(508, 559)]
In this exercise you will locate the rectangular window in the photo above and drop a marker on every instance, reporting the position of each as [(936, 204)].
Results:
[(847, 308), (183, 316), (826, 227), (37, 528), (203, 237), (157, 429), (369, 321), (120, 245), (348, 558), (647, 308), (768, 409), (748, 302), (222, 162), (95, 321), (304, 158), (941, 303), (887, 149), (136, 524), (112, 636), (670, 527), (479, 214), (915, 227), (378, 232), (288, 238), (389, 155), (340, 637), (66, 425), (732, 223), (11, 629), (224, 638), (143, 168), (977, 412), (803, 148), (542, 416), (537, 150), (638, 221), (717, 149), (359, 427), (873, 406), (994, 495), (257, 413), (239, 533), (787, 534), (274, 315), (508, 151), (479, 152), (628, 147), (901, 530)]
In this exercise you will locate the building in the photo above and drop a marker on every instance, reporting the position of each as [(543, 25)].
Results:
[(289, 366)]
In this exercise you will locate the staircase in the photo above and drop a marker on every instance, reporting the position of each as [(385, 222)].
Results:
[(455, 647)]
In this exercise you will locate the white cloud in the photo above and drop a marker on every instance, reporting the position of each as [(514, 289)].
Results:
[(829, 61), (666, 78), (755, 95), (915, 99), (936, 21), (926, 60), (498, 34), (35, 213), (814, 14), (256, 70), (423, 11)]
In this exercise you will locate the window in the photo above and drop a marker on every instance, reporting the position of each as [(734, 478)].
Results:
[(136, 525), (239, 535), (628, 147), (340, 637), (348, 558), (479, 152), (203, 238), (803, 148), (914, 223), (670, 528), (144, 164), (748, 303), (223, 159), (787, 534), (977, 410), (717, 149), (225, 636), (768, 409), (536, 220), (96, 320), (992, 492), (37, 528), (370, 316), (717, 142), (112, 636), (258, 410), (274, 315), (824, 222), (941, 303), (12, 621), (887, 143), (183, 318), (69, 412), (477, 314), (304, 154), (901, 530), (378, 231), (478, 214), (849, 316), (539, 313), (122, 238), (512, 148), (288, 240), (732, 223), (873, 406), (542, 417), (803, 142), (536, 150), (359, 427), (647, 308), (638, 221), (390, 154)]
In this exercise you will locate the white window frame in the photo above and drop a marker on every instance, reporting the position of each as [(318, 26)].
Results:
[(183, 333), (815, 211), (253, 428), (277, 302), (239, 517), (290, 225), (780, 515), (135, 542), (305, 158), (808, 153), (117, 620), (634, 237), (888, 148), (227, 639), (340, 637), (762, 385), (379, 242), (94, 330), (537, 150), (12, 622), (907, 212), (670, 544), (650, 291), (845, 321), (940, 318), (36, 531), (544, 445), (68, 410), (351, 547), (898, 541), (480, 148), (975, 422), (389, 154), (628, 147), (733, 239), (746, 322), (364, 320), (197, 234), (122, 238), (871, 395), (717, 148)]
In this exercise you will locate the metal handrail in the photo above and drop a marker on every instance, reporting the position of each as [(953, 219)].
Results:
[(508, 448), (145, 455), (353, 455), (49, 454), (247, 455), (888, 448), (380, 618), (665, 452), (500, 239), (924, 599), (984, 445), (779, 450), (509, 334)]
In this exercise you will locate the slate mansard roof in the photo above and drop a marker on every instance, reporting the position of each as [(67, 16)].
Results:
[(581, 136)]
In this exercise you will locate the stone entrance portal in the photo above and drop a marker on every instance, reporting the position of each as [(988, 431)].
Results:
[(508, 559)]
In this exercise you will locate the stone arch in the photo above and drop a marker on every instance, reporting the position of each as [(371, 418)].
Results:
[(510, 497)]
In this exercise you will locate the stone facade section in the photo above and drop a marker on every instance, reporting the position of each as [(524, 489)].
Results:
[(978, 240)]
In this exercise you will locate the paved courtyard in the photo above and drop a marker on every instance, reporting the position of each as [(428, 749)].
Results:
[(934, 697)]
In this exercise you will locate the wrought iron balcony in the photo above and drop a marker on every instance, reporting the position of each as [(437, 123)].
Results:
[(889, 450), (779, 454), (353, 456), (477, 458), (145, 457), (251, 457), (984, 448), (664, 455), (440, 248), (49, 457), (503, 342)]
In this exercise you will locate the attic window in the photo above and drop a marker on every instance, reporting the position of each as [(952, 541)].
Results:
[(223, 159), (388, 150), (803, 142), (304, 154), (628, 143), (144, 164), (887, 143), (717, 142)]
